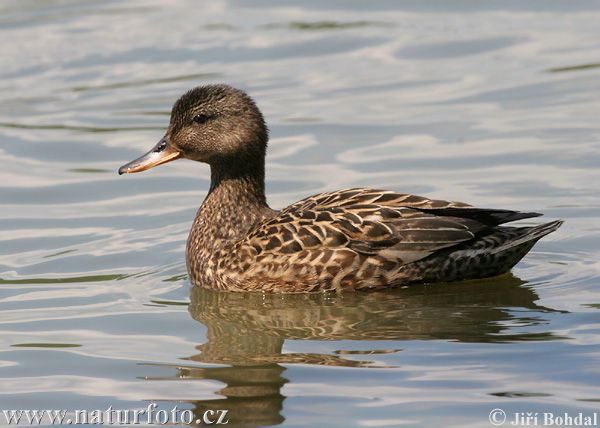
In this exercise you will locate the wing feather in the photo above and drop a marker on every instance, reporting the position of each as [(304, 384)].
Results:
[(366, 221)]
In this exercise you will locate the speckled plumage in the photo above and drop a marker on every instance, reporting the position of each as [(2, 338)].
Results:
[(352, 239)]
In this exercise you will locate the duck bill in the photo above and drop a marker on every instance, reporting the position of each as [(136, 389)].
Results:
[(163, 152)]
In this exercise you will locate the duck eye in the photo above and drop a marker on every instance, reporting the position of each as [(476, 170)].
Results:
[(201, 118), (160, 147)]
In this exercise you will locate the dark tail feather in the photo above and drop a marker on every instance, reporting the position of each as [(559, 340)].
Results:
[(484, 257), (489, 217), (505, 256), (530, 235)]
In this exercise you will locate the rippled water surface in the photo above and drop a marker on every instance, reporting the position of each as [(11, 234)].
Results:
[(492, 103)]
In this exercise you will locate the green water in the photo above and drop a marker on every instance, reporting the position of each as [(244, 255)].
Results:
[(495, 104)]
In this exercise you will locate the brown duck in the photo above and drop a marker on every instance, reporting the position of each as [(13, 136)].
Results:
[(352, 239)]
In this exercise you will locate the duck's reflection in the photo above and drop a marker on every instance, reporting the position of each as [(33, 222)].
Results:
[(247, 332)]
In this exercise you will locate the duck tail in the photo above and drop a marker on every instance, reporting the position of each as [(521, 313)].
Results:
[(528, 236)]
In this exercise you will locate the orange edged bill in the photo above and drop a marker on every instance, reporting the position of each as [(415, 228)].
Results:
[(161, 153)]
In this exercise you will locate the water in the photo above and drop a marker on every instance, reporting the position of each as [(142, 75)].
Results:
[(494, 104)]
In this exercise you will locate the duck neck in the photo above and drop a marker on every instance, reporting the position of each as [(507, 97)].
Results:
[(235, 202), (238, 184)]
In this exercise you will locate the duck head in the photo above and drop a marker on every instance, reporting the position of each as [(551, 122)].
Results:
[(215, 124)]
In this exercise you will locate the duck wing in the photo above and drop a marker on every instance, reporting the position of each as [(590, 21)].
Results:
[(374, 223)]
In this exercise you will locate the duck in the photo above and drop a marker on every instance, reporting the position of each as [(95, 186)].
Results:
[(355, 239)]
